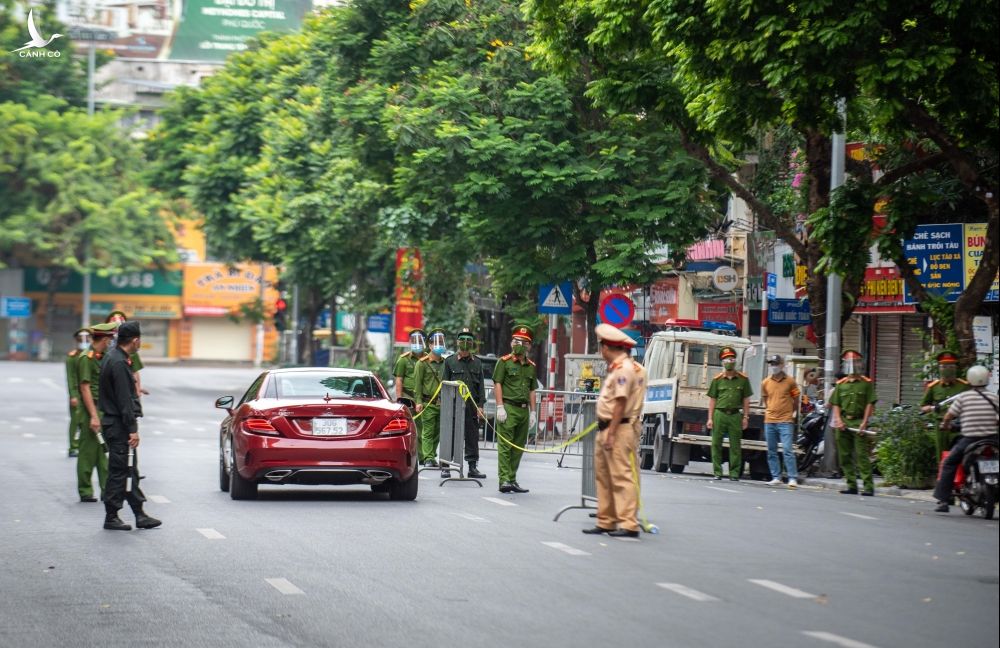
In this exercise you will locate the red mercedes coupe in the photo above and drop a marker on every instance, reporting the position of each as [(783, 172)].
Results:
[(317, 427)]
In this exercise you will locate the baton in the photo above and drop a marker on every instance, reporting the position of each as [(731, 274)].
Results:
[(100, 439), (131, 463), (865, 432)]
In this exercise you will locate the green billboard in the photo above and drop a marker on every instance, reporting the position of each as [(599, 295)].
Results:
[(210, 30)]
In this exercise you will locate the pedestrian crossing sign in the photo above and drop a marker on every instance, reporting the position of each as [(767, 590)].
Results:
[(555, 299)]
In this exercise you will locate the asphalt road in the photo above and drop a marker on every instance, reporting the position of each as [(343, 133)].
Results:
[(733, 564)]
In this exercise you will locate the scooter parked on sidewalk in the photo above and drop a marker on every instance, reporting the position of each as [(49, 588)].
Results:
[(810, 437)]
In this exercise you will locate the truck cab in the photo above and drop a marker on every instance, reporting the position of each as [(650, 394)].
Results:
[(681, 363)]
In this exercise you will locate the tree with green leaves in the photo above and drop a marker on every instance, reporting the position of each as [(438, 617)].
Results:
[(74, 199)]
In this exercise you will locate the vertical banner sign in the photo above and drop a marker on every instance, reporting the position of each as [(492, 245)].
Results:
[(975, 244), (935, 252), (409, 309)]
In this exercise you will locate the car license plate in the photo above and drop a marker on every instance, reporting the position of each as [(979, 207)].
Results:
[(329, 427), (989, 465)]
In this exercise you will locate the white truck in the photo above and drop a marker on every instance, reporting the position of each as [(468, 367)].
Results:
[(680, 364)]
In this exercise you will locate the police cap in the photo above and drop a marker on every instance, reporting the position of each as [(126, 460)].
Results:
[(850, 354), (79, 331), (466, 334), (522, 332), (128, 331), (947, 357), (613, 337), (103, 330), (117, 316), (727, 352)]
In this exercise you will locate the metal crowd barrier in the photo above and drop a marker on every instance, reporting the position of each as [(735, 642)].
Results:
[(452, 449), (561, 416)]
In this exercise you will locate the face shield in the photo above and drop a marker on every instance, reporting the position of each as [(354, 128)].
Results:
[(466, 344), (83, 341), (948, 371), (519, 346), (417, 342), (851, 366), (438, 344)]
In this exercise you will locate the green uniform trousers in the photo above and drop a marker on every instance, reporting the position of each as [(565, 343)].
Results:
[(91, 455), (514, 429), (732, 425), (855, 454), (430, 432), (77, 416)]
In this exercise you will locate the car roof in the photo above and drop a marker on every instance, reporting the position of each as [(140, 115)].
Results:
[(703, 336), (334, 371)]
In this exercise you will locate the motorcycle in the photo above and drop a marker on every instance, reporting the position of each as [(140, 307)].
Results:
[(977, 480), (811, 433)]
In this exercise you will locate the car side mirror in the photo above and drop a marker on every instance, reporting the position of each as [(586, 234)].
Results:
[(225, 402)]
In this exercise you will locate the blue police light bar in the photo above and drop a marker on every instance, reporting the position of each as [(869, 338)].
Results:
[(719, 326), (702, 325)]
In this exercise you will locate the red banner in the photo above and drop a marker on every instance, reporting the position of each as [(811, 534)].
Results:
[(663, 301), (882, 292), (409, 311), (722, 312)]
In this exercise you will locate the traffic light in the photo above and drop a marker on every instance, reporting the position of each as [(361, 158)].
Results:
[(280, 313)]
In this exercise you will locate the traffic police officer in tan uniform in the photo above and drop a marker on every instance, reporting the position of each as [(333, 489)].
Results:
[(947, 385), (614, 449), (728, 395), (853, 402), (73, 385)]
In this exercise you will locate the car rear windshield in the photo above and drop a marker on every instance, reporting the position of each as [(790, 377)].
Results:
[(317, 385)]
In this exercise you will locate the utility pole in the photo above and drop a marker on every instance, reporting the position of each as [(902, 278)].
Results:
[(295, 325), (834, 287), (258, 359)]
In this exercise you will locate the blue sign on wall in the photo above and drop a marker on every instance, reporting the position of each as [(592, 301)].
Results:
[(379, 323), (772, 285), (15, 307), (788, 311), (935, 254)]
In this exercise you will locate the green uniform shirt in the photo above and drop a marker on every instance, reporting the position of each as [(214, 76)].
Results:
[(427, 378), (852, 396), (937, 391), (136, 362), (89, 369), (406, 371), (468, 370), (730, 392), (72, 374), (515, 377)]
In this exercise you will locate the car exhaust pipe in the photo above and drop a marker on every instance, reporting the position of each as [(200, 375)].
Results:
[(378, 476), (278, 475)]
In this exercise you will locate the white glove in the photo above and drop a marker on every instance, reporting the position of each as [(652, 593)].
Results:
[(532, 419), (501, 414)]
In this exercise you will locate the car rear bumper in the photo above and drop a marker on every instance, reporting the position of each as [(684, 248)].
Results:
[(281, 460)]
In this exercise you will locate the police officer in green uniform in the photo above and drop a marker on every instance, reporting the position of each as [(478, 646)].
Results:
[(73, 384), (465, 367), (405, 369), (91, 454), (427, 379), (853, 402), (947, 385), (514, 389), (728, 413)]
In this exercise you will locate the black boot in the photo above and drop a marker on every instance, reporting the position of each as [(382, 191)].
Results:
[(516, 488), (144, 521), (474, 471), (114, 523)]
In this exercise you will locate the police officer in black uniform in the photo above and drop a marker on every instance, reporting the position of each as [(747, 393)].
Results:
[(120, 409), (466, 367)]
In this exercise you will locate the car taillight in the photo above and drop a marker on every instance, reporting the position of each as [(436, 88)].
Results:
[(396, 426), (258, 426)]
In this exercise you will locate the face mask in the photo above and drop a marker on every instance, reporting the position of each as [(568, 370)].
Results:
[(948, 372), (518, 349), (439, 350), (774, 369), (464, 345), (729, 365), (416, 348)]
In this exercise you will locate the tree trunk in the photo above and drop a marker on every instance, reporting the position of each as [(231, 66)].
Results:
[(972, 297)]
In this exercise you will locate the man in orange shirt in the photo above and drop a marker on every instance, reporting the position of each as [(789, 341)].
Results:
[(780, 395)]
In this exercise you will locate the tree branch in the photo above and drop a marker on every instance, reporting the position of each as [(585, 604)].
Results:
[(916, 166), (723, 175)]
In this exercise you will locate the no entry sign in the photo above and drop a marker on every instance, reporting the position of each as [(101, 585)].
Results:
[(617, 310)]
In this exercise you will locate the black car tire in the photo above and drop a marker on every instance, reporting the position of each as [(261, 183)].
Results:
[(239, 488), (405, 491), (223, 475)]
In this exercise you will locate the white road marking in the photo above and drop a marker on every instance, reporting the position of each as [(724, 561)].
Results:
[(28, 435), (170, 421), (15, 379), (202, 445), (501, 502), (157, 432), (859, 516), (48, 382), (176, 440), (159, 499), (782, 589), (283, 586), (836, 639), (692, 594), (198, 429), (31, 419), (50, 443), (724, 490), (470, 516), (565, 548), (211, 534)]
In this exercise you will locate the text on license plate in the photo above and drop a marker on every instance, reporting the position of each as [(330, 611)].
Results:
[(329, 427), (989, 465)]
